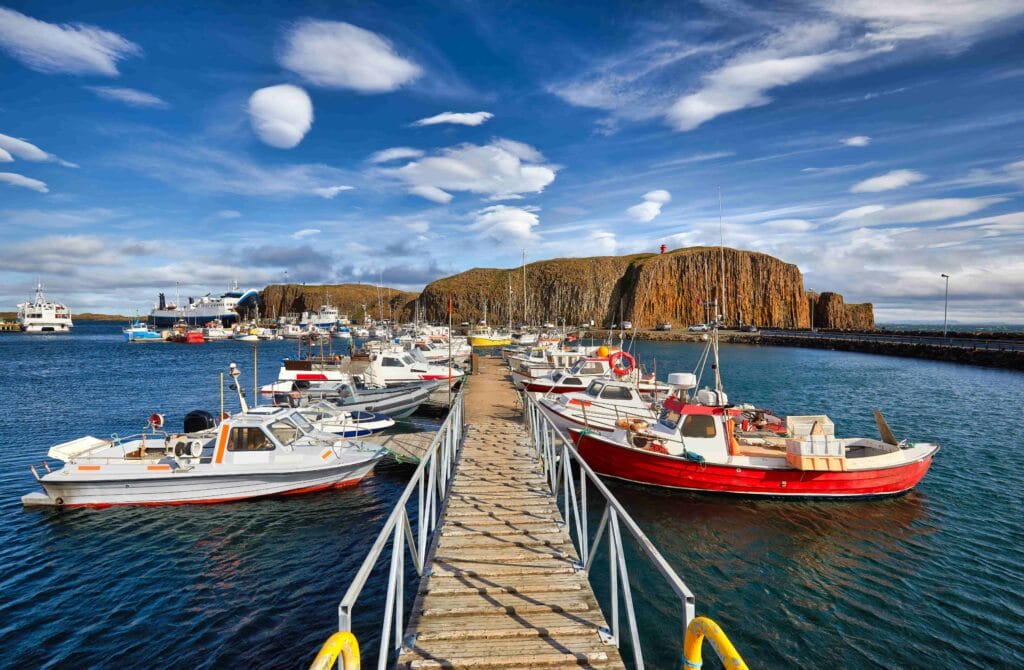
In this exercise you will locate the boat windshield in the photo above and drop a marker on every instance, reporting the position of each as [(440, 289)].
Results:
[(669, 419), (576, 369), (594, 390), (303, 423), (408, 359), (285, 431)]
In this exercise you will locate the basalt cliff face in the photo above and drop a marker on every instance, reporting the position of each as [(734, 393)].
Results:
[(646, 289), (832, 313), (281, 299)]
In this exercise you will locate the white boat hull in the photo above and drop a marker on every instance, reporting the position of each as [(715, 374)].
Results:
[(181, 488)]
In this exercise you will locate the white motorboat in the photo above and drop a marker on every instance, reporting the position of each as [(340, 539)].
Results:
[(330, 418), (215, 330), (44, 316), (603, 406), (390, 367), (261, 451)]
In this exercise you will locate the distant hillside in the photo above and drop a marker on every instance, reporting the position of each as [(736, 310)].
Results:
[(645, 289), (280, 299), (84, 316)]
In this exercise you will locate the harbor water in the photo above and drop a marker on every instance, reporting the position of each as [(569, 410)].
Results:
[(930, 579)]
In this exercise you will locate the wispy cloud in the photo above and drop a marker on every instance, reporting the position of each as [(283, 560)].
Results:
[(305, 232), (24, 182), (66, 48), (856, 141), (918, 211), (394, 154), (334, 54), (694, 158), (650, 208), (329, 192), (457, 118), (506, 225), (129, 96), (889, 181), (26, 151)]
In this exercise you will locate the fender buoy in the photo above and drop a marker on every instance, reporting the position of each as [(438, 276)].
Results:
[(622, 363)]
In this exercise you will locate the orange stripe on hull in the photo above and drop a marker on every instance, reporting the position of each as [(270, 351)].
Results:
[(89, 468), (222, 443)]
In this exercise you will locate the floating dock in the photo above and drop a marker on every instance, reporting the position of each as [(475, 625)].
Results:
[(504, 587), (10, 327)]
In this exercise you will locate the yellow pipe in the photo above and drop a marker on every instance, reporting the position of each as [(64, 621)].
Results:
[(700, 628), (342, 644)]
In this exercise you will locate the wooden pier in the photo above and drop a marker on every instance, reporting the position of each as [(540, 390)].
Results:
[(503, 587)]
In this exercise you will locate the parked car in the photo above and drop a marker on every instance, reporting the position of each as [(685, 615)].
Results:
[(749, 328), (698, 328), (627, 325), (664, 325)]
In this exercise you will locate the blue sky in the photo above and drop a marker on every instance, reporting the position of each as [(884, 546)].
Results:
[(875, 144)]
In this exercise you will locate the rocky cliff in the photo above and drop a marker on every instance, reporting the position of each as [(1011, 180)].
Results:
[(643, 288), (832, 313), (280, 299)]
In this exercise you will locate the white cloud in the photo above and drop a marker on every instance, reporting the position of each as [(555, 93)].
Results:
[(6, 157), (394, 154), (129, 96), (856, 141), (281, 115), (919, 211), (329, 192), (432, 193), (650, 208), (887, 182), (23, 181), (305, 232), (458, 118), (746, 81), (789, 225), (229, 214), (503, 169), (955, 22), (333, 54), (67, 48), (417, 226), (505, 225), (26, 151)]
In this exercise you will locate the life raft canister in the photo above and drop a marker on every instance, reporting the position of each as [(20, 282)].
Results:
[(622, 363)]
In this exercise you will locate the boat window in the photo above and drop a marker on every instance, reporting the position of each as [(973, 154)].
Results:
[(574, 381), (594, 390), (285, 431), (389, 362), (617, 393), (249, 439), (579, 366), (408, 359), (555, 377), (592, 369), (303, 423), (669, 419), (699, 425)]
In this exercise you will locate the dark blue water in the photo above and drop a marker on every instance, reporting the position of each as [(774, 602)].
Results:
[(931, 579)]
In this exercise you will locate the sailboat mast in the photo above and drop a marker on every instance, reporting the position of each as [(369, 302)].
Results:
[(721, 249), (525, 321)]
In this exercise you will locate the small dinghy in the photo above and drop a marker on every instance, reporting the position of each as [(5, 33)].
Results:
[(330, 418), (261, 451)]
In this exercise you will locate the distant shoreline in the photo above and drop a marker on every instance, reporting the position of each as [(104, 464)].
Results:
[(85, 316)]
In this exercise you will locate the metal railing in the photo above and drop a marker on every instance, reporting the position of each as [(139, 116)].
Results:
[(558, 455), (430, 485)]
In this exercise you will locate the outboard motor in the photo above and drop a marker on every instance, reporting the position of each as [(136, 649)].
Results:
[(199, 420)]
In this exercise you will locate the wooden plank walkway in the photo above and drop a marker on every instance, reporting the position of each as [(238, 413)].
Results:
[(503, 589)]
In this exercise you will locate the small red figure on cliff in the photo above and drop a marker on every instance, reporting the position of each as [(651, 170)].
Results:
[(663, 248)]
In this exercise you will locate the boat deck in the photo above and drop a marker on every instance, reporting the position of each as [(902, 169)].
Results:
[(503, 588)]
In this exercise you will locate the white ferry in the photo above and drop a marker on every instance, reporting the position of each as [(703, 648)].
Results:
[(328, 317), (200, 311), (43, 316)]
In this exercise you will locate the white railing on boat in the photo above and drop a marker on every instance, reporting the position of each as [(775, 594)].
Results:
[(558, 456), (430, 485)]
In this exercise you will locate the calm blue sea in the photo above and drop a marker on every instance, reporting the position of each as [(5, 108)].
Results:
[(931, 579)]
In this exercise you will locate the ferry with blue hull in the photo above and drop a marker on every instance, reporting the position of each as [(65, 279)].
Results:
[(200, 311)]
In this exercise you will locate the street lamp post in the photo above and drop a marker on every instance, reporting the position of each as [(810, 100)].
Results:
[(945, 306)]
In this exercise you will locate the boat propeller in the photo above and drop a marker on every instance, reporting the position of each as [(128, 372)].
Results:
[(883, 429)]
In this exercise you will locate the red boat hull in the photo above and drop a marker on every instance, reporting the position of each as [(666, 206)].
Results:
[(645, 467), (547, 388)]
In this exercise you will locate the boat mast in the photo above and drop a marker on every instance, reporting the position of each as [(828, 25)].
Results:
[(721, 249), (525, 321)]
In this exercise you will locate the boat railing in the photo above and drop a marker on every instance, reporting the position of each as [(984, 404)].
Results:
[(429, 485), (558, 456)]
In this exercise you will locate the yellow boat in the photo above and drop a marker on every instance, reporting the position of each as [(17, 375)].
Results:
[(485, 337)]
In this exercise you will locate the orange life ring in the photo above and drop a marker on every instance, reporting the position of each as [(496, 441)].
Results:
[(616, 358)]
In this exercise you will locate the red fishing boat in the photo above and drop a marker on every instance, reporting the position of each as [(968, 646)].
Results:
[(701, 442)]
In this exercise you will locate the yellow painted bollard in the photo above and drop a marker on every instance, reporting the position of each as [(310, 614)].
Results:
[(343, 644), (700, 628)]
